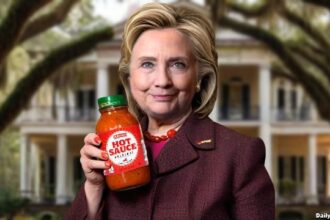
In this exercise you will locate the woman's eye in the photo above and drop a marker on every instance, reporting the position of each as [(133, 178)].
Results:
[(147, 65), (179, 65)]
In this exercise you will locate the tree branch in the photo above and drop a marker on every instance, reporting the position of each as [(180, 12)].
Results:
[(44, 22), (12, 25), (306, 27), (319, 94), (3, 74), (250, 12), (280, 70), (290, 16), (28, 85), (320, 3), (314, 48), (314, 59), (217, 8)]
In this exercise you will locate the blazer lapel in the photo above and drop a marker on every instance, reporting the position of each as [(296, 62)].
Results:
[(175, 154), (181, 149)]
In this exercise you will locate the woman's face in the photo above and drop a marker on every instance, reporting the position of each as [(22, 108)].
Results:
[(163, 73)]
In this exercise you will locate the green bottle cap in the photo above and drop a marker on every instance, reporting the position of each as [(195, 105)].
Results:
[(111, 101)]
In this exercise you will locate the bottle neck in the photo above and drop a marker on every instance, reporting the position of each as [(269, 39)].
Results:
[(113, 108)]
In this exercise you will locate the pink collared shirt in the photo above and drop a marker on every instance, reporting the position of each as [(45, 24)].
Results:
[(155, 148)]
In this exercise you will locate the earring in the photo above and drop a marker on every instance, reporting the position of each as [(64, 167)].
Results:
[(198, 87)]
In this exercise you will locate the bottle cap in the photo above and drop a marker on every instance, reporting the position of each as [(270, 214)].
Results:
[(111, 101)]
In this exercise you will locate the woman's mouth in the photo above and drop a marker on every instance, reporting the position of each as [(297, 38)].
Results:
[(163, 98)]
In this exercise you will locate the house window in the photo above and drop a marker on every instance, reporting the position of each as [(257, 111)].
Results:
[(281, 104), (281, 98), (85, 102), (291, 167), (225, 100), (293, 99), (302, 168), (293, 164), (78, 175), (235, 100), (321, 174), (290, 175), (49, 177), (86, 99), (280, 167)]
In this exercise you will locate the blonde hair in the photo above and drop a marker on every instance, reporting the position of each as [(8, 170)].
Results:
[(193, 25)]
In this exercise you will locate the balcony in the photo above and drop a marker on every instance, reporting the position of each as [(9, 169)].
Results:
[(59, 114), (298, 114), (239, 114)]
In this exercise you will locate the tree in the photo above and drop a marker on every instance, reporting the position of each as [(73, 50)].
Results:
[(10, 205), (304, 53), (24, 21)]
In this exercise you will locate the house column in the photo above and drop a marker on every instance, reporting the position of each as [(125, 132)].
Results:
[(24, 167), (314, 113), (35, 174), (312, 170), (102, 80), (264, 106), (60, 106), (273, 108), (287, 100), (61, 170), (300, 96), (72, 105), (214, 115)]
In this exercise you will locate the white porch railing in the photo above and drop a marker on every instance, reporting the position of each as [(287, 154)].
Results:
[(57, 114)]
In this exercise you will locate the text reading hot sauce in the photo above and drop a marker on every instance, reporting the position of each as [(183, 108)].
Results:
[(122, 138)]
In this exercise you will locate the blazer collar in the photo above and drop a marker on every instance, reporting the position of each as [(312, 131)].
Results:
[(181, 150)]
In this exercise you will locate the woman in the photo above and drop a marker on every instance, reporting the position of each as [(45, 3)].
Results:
[(205, 171)]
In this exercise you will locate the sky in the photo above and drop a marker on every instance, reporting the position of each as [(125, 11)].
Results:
[(116, 10)]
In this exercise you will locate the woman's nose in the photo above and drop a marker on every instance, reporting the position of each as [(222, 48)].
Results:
[(163, 78)]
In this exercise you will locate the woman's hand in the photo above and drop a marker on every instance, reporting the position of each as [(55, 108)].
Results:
[(93, 160)]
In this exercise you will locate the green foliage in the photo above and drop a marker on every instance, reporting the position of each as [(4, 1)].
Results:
[(48, 215), (80, 20), (3, 8), (287, 188), (10, 204), (18, 63), (9, 160), (10, 201)]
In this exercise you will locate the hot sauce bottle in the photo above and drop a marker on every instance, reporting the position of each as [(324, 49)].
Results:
[(122, 139)]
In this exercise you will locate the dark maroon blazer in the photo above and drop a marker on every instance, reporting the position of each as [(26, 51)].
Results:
[(206, 171)]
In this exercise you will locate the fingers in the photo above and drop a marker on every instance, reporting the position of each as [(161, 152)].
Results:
[(91, 156), (92, 161), (92, 139), (89, 164), (91, 151)]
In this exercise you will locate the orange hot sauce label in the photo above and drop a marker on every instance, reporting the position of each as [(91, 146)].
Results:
[(126, 149)]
